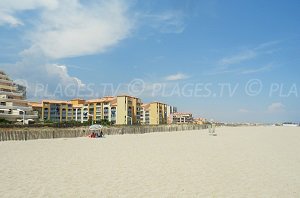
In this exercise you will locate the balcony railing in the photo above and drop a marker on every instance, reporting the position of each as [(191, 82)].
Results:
[(11, 93), (16, 107)]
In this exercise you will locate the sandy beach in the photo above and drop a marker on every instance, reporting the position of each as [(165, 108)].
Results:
[(239, 162)]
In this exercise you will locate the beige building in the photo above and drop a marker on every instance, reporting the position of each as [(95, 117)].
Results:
[(181, 118), (121, 110), (199, 121), (101, 109), (170, 111), (13, 106), (57, 110), (128, 110), (77, 108), (154, 113)]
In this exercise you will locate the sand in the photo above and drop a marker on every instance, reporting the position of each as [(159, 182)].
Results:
[(239, 162)]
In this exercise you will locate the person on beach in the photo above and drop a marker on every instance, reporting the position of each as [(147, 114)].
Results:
[(93, 135)]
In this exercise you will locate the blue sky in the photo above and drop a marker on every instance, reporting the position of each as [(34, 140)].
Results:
[(223, 60)]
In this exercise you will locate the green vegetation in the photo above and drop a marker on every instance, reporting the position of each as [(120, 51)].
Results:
[(48, 123), (4, 121)]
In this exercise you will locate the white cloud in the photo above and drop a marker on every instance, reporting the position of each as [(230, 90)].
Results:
[(178, 76), (61, 72), (5, 18), (238, 58), (257, 70), (276, 107), (68, 28), (62, 29), (245, 55), (170, 21), (9, 8), (74, 29), (16, 5), (237, 63), (43, 79)]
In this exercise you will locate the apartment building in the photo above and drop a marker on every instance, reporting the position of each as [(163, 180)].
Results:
[(57, 110), (199, 121), (145, 114), (170, 111), (128, 110), (181, 118), (95, 109), (154, 113), (119, 110), (13, 104), (101, 109), (77, 106), (37, 108)]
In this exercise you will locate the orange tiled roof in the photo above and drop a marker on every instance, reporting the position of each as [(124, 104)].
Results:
[(99, 100), (35, 104), (157, 102), (77, 99), (182, 113), (146, 106), (125, 95), (56, 102), (78, 106)]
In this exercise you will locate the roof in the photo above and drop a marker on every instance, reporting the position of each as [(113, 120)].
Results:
[(146, 106), (157, 102), (125, 95), (181, 113), (35, 104), (77, 99), (56, 102), (78, 106), (99, 100)]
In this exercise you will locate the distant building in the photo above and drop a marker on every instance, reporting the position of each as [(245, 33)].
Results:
[(199, 120), (101, 109), (128, 110), (154, 113), (80, 110), (37, 108), (145, 114), (181, 118), (57, 110), (13, 104), (170, 111)]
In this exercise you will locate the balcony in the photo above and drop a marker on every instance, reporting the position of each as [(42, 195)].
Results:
[(18, 116), (20, 94), (16, 107)]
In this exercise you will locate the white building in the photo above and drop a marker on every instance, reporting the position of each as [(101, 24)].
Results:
[(181, 118), (13, 106)]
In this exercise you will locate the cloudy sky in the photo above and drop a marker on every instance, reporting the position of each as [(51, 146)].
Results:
[(223, 60)]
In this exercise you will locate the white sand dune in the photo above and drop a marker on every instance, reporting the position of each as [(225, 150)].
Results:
[(239, 162)]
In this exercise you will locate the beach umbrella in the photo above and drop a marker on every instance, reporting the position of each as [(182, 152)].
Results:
[(95, 127)]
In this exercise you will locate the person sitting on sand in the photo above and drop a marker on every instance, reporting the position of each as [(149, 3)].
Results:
[(92, 135)]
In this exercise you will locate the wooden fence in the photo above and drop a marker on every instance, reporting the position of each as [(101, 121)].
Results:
[(15, 134)]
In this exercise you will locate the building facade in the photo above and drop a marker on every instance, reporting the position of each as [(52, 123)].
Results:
[(13, 104), (57, 111), (101, 109), (170, 111), (120, 110), (128, 110), (181, 118), (154, 113)]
